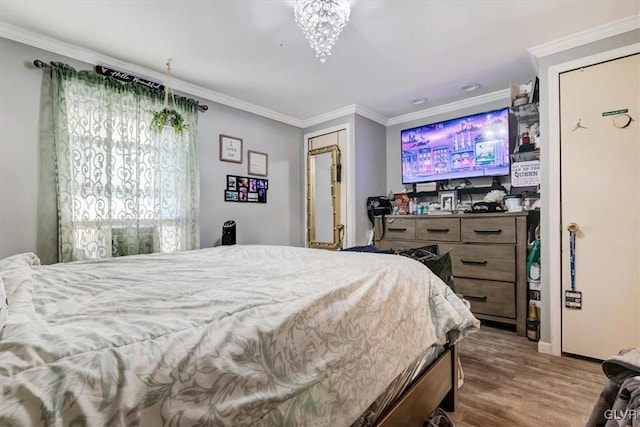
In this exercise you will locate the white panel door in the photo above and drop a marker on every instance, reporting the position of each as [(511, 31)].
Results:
[(600, 184)]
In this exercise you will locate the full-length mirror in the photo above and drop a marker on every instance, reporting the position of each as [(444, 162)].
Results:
[(323, 197)]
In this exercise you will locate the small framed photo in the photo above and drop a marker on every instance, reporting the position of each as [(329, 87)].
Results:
[(243, 194), (448, 201), (230, 196), (262, 196), (258, 163), (232, 183), (230, 149)]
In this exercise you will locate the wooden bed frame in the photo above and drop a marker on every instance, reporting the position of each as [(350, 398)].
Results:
[(437, 386)]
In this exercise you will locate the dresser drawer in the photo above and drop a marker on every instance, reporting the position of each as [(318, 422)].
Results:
[(489, 230), (492, 262), (488, 297), (400, 228), (438, 229)]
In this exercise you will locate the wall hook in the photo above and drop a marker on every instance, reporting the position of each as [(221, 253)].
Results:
[(578, 126)]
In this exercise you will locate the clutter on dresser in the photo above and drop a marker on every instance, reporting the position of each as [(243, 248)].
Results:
[(400, 203), (492, 202), (513, 202), (496, 196), (486, 207)]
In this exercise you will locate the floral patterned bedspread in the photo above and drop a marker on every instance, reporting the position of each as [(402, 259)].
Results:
[(227, 336)]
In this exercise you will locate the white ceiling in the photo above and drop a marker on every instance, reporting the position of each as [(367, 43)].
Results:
[(389, 53)]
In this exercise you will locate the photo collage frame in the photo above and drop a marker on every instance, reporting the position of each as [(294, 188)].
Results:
[(246, 189)]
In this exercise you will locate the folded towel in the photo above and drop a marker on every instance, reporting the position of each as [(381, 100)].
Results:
[(625, 365)]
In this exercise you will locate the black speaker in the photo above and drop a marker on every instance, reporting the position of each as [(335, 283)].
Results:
[(229, 233)]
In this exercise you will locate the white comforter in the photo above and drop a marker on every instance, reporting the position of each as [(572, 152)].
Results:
[(234, 335)]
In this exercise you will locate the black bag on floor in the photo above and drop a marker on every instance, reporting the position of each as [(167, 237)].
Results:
[(440, 265)]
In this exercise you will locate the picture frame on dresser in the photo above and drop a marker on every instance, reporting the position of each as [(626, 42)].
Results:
[(448, 201)]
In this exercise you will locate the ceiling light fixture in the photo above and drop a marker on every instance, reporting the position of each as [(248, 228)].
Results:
[(322, 22), (418, 101), (470, 87)]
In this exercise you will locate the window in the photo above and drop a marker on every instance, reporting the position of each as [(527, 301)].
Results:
[(121, 190)]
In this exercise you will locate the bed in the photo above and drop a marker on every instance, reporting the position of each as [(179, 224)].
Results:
[(234, 335)]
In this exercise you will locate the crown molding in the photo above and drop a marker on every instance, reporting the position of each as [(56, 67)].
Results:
[(344, 111), (371, 115), (591, 35), (501, 95), (20, 35)]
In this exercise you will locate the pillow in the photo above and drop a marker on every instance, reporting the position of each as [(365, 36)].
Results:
[(4, 305)]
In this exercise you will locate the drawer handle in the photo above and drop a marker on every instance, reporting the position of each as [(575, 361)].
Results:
[(396, 229), (476, 297), (488, 230), (474, 261), (438, 230)]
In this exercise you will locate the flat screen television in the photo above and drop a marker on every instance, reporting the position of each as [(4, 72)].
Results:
[(462, 148)]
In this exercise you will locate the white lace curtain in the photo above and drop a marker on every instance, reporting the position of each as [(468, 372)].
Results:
[(121, 189)]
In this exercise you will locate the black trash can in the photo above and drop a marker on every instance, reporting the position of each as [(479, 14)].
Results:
[(229, 233)]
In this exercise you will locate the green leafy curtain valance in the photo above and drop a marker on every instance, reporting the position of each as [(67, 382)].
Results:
[(66, 71), (122, 189)]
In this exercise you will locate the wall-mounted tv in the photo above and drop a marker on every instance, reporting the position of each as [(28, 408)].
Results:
[(466, 147)]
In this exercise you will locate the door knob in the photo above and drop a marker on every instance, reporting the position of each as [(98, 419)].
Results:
[(573, 227)]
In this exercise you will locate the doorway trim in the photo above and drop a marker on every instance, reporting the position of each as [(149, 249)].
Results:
[(350, 235), (553, 232)]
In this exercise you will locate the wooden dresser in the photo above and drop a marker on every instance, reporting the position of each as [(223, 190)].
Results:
[(488, 256)]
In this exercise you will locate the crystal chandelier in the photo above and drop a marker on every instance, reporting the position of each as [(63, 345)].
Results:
[(322, 22)]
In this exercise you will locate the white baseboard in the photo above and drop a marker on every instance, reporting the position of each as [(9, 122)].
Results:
[(544, 347)]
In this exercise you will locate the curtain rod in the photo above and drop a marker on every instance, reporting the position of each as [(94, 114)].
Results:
[(40, 64)]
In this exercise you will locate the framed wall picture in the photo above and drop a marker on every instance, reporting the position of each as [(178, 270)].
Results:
[(230, 149), (230, 196), (232, 183), (258, 163), (244, 189)]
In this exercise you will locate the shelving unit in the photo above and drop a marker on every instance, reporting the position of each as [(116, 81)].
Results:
[(461, 191), (528, 126), (527, 140)]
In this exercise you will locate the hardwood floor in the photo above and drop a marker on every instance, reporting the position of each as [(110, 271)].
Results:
[(508, 383)]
